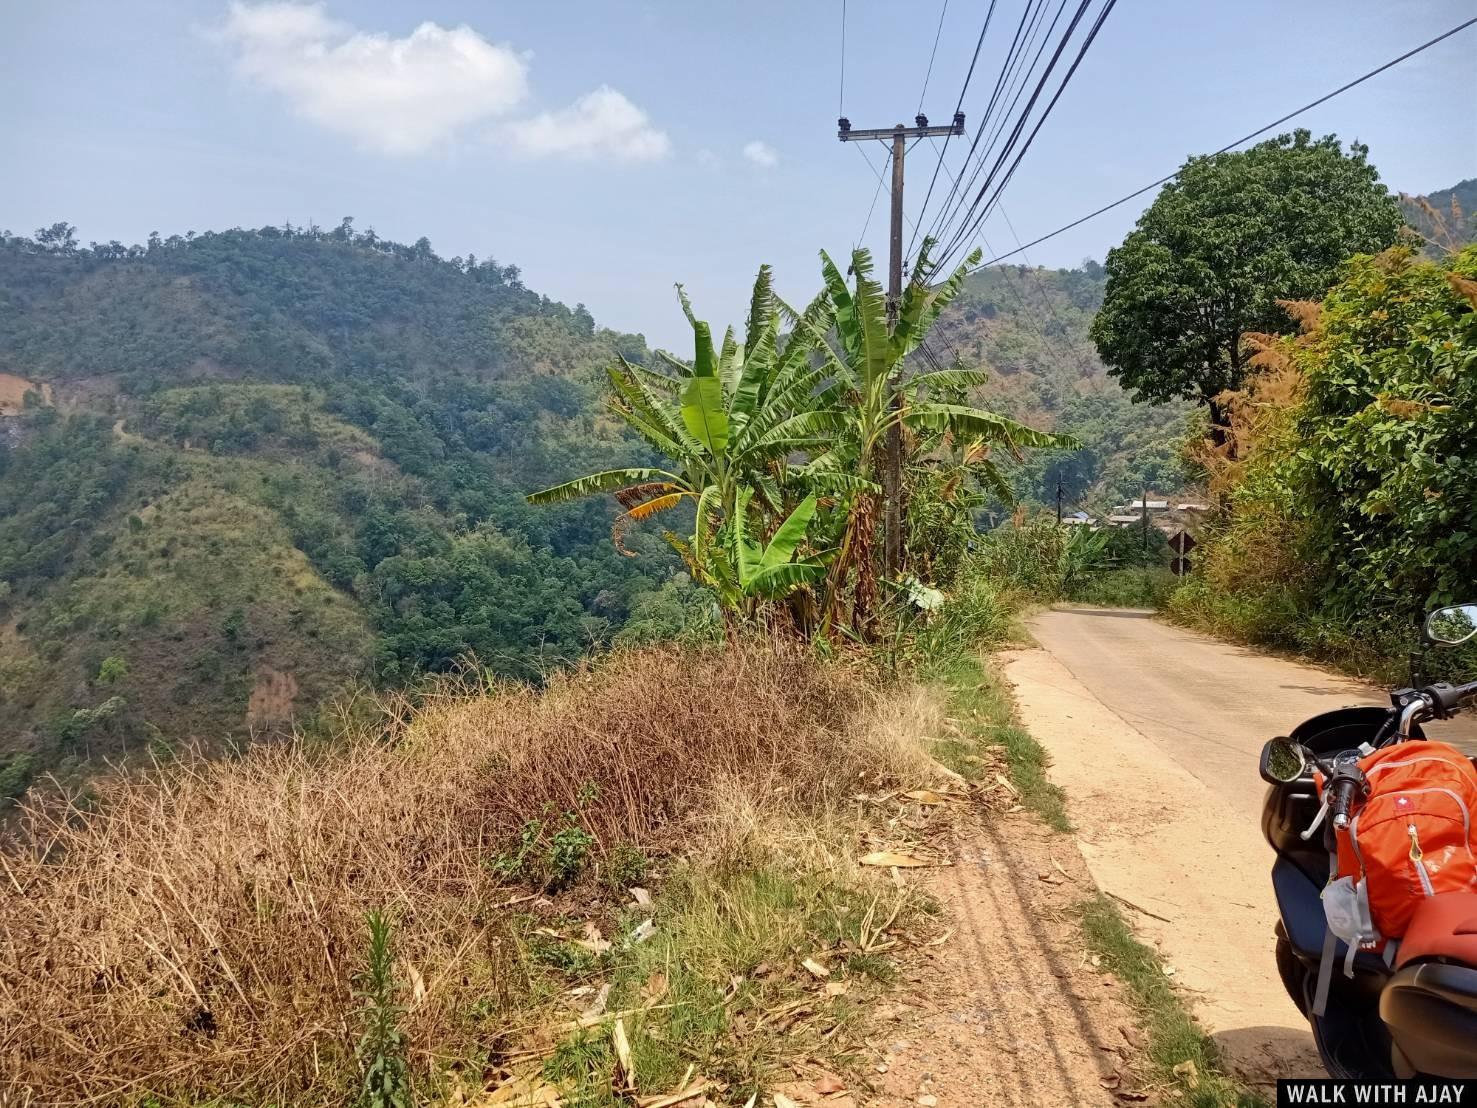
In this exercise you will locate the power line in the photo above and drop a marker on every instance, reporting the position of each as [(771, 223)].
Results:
[(969, 226), (841, 95), (933, 54), (1010, 173), (1011, 69), (958, 106), (1243, 139), (875, 192)]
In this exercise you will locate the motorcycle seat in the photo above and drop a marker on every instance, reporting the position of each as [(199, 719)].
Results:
[(1444, 928)]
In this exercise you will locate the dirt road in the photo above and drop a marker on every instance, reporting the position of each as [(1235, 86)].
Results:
[(1154, 734)]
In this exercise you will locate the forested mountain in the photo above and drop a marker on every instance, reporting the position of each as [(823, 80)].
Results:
[(242, 471), (1028, 327)]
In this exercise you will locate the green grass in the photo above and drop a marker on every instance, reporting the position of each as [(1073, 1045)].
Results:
[(1174, 1036), (982, 707), (727, 949)]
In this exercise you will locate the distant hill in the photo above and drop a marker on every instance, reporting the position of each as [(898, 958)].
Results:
[(1028, 327), (242, 471), (1445, 220)]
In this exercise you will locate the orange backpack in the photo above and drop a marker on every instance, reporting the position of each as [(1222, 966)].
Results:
[(1410, 838)]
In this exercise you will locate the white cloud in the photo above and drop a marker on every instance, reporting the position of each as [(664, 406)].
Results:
[(707, 159), (761, 153), (408, 95), (602, 122)]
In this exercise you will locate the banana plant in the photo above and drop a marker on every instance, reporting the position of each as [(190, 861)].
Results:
[(728, 424), (750, 570), (864, 358)]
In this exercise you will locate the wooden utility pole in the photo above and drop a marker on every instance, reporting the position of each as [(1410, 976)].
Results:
[(892, 470), (1059, 498)]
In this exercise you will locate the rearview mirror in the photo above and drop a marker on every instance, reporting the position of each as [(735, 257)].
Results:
[(1283, 761), (1453, 625)]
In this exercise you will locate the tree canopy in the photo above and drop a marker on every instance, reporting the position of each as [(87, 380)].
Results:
[(1229, 237)]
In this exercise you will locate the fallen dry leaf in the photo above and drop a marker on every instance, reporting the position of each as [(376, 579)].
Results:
[(782, 1101), (417, 985), (622, 1046), (893, 858), (837, 988), (691, 1092), (1187, 1072), (925, 796), (828, 1083), (655, 987), (640, 895), (818, 969), (593, 941), (521, 1092), (597, 1006)]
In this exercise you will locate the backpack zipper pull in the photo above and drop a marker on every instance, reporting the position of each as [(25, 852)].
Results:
[(1416, 854)]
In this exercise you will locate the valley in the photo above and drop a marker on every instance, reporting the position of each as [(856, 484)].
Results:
[(295, 459)]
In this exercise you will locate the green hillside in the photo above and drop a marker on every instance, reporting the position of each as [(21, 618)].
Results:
[(1028, 327), (244, 471)]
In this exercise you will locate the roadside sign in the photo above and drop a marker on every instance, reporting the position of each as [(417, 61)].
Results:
[(1181, 543), (1180, 567)]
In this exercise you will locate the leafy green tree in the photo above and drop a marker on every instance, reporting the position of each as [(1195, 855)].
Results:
[(1353, 501), (112, 670), (1387, 458), (1222, 243)]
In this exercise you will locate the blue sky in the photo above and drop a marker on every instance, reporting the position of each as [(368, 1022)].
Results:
[(612, 148)]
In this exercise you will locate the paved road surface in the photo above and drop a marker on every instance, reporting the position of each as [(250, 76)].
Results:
[(1154, 734)]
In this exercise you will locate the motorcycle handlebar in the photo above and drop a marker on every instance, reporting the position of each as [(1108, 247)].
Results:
[(1341, 801), (1446, 698)]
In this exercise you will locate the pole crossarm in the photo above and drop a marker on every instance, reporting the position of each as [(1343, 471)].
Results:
[(846, 133)]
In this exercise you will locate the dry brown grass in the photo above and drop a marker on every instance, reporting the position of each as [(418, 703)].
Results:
[(199, 931)]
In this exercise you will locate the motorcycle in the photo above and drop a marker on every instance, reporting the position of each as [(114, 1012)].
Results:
[(1410, 1013)]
